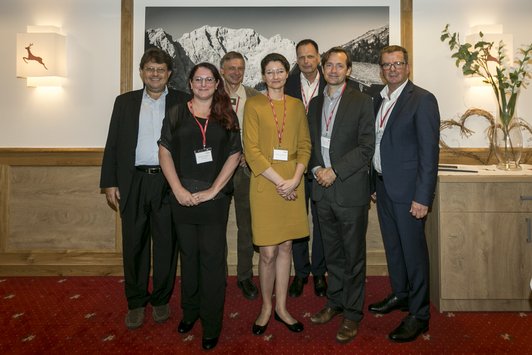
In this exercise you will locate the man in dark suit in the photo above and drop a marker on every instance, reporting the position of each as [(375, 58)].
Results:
[(343, 140), (133, 183), (406, 168), (306, 82)]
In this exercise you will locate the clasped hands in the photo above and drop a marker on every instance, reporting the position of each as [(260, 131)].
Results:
[(325, 176), (185, 198), (287, 189)]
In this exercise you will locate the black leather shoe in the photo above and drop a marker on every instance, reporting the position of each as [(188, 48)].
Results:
[(296, 327), (209, 343), (249, 290), (259, 329), (320, 286), (296, 288), (185, 327), (390, 303), (409, 329)]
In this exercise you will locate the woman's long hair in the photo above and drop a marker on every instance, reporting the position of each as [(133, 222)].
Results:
[(221, 108)]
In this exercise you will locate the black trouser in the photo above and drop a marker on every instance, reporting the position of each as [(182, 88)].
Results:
[(146, 218), (203, 274), (300, 250)]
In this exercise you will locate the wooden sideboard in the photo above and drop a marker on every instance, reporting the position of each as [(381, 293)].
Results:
[(480, 243)]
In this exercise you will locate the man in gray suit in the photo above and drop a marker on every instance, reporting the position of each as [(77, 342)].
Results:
[(232, 67), (343, 140)]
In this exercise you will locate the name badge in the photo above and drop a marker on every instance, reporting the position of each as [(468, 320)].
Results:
[(280, 154), (203, 155), (325, 142)]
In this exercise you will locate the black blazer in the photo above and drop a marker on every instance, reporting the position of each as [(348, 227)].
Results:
[(410, 146), (351, 149), (118, 163)]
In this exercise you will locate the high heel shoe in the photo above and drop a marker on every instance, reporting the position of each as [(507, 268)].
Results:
[(296, 327), (259, 329)]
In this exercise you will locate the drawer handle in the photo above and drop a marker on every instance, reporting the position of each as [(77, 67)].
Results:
[(528, 230), (525, 198)]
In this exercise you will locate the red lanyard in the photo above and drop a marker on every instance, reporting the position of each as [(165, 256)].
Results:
[(237, 103), (202, 129), (305, 102), (279, 131), (328, 120), (383, 118)]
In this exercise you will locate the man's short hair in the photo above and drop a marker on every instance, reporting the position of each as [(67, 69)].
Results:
[(231, 55), (327, 54), (391, 49), (304, 42), (158, 56)]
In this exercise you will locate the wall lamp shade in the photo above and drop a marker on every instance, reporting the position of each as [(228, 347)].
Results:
[(41, 56)]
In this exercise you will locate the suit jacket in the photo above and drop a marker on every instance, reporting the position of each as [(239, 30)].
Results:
[(351, 147), (410, 146), (118, 163)]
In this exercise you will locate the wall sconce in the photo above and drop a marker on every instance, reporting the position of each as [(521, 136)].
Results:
[(41, 56)]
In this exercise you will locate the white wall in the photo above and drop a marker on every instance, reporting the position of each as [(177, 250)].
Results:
[(77, 115), (435, 70)]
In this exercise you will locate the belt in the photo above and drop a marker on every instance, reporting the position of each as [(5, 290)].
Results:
[(149, 169)]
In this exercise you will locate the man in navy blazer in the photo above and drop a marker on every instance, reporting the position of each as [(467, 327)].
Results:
[(134, 184), (405, 171), (343, 140)]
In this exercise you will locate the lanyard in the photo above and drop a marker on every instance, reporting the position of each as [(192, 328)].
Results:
[(237, 103), (328, 120), (202, 129), (383, 118), (305, 102), (279, 131)]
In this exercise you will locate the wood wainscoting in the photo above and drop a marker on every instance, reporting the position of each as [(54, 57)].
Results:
[(54, 220)]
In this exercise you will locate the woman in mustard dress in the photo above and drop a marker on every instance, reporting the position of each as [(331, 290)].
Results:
[(277, 149)]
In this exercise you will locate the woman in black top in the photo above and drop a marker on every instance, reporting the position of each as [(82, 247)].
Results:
[(199, 150)]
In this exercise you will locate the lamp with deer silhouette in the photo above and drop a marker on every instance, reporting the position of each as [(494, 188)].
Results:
[(41, 56)]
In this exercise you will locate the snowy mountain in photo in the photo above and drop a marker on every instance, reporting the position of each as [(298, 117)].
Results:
[(209, 43)]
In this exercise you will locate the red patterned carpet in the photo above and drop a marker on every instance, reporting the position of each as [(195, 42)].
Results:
[(85, 315)]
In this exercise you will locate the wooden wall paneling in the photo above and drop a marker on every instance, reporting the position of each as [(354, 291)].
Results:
[(4, 203)]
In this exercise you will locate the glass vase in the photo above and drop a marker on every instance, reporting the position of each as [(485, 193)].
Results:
[(508, 144)]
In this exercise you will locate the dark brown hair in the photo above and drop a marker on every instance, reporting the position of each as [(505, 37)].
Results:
[(221, 109)]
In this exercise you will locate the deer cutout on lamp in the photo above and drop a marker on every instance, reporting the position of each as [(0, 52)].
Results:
[(33, 57)]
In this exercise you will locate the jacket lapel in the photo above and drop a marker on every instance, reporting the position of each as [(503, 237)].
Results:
[(401, 101)]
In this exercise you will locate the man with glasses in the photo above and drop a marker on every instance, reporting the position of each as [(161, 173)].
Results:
[(306, 82), (232, 67), (134, 184), (405, 171), (343, 141)]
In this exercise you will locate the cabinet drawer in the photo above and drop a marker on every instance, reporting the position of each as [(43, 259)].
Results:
[(485, 197)]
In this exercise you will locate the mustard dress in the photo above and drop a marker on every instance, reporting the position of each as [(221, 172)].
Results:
[(273, 219)]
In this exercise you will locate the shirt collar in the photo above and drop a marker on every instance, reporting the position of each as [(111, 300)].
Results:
[(336, 94), (304, 79), (146, 96), (395, 94)]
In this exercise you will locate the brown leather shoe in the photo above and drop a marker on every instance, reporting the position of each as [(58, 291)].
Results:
[(325, 315), (348, 331)]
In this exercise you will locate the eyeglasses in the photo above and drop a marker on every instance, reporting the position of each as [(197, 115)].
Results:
[(275, 71), (396, 65), (152, 70), (198, 80)]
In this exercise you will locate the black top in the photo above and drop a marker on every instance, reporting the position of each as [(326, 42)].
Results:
[(182, 136)]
